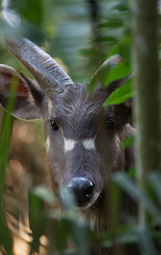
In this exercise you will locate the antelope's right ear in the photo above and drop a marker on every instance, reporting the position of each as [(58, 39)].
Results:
[(29, 94)]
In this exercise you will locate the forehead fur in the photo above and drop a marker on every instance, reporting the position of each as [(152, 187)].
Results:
[(78, 111)]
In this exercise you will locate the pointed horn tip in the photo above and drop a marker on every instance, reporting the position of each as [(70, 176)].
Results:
[(113, 60), (116, 58)]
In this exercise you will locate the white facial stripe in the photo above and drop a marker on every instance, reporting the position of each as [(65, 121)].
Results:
[(49, 106), (69, 144), (89, 144), (47, 143), (118, 142)]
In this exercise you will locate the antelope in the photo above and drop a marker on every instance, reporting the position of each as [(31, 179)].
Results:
[(82, 137)]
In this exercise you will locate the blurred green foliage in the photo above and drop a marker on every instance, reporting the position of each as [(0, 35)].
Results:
[(64, 30), (5, 237)]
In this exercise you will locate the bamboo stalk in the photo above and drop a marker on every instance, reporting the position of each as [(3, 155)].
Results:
[(147, 102)]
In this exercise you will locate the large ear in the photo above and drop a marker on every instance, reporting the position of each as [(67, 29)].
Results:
[(124, 112), (29, 94)]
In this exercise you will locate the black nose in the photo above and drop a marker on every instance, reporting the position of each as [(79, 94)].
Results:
[(82, 189)]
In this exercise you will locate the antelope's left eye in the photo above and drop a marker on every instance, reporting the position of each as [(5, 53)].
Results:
[(54, 125)]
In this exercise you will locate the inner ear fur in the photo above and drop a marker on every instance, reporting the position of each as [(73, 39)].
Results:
[(29, 94), (123, 113)]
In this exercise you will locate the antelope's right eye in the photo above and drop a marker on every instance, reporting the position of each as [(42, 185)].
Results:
[(54, 125)]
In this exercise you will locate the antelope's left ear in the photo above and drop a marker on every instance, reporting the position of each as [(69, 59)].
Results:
[(29, 94), (123, 113)]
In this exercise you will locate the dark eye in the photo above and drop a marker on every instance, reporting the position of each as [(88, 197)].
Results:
[(54, 125), (110, 122)]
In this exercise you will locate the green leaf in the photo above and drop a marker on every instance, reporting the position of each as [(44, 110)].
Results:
[(132, 172), (108, 39), (115, 202), (159, 17), (154, 178), (159, 54), (123, 47), (145, 241), (67, 198), (98, 78), (118, 72), (44, 193), (5, 237), (103, 71), (78, 228), (128, 141), (128, 185), (62, 233), (38, 220), (121, 94), (122, 6), (25, 30), (30, 10), (112, 23)]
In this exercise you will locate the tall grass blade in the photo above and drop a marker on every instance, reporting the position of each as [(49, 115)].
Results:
[(154, 178), (5, 237), (78, 228), (145, 241), (138, 195)]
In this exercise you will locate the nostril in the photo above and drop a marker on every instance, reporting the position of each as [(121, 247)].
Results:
[(82, 189), (88, 190)]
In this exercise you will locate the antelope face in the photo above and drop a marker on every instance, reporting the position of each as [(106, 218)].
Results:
[(83, 142)]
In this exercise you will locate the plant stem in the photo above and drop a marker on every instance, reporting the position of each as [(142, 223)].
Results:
[(147, 102)]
